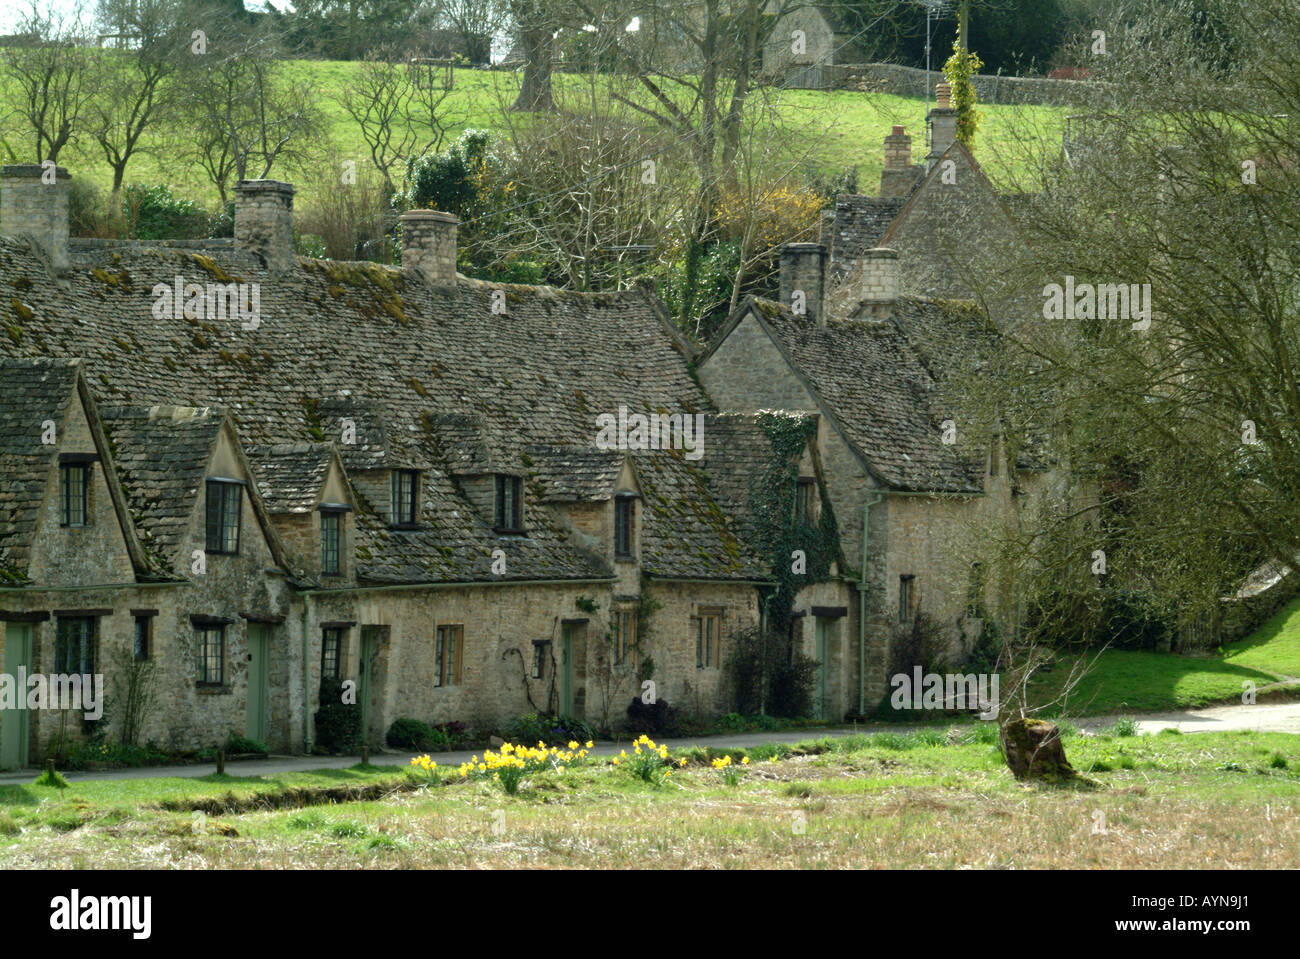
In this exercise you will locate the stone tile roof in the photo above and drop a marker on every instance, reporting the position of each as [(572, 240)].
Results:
[(856, 225), (876, 388), (31, 392), (574, 474), (290, 475), (402, 358), (161, 455)]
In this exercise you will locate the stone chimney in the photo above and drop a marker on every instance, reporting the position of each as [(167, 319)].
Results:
[(803, 271), (898, 176), (879, 283), (429, 245), (32, 207), (943, 123), (264, 222)]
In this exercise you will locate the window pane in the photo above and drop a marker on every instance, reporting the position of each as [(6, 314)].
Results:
[(330, 526), (230, 518), (142, 637), (439, 642)]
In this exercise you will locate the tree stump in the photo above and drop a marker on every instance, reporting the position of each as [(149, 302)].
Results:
[(1033, 750)]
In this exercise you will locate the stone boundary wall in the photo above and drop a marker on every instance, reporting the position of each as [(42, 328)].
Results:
[(911, 82)]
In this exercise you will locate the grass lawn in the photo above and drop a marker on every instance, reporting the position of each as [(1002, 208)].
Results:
[(1134, 681), (937, 798), (827, 131)]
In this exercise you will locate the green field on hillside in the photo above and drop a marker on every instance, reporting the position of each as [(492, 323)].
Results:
[(822, 133)]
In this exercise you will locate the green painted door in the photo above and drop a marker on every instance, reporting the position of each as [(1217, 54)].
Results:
[(566, 670), (259, 692), (823, 670), (14, 724)]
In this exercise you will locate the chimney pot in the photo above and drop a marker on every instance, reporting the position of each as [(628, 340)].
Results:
[(264, 222), (32, 207), (429, 245), (803, 270), (943, 123), (879, 282)]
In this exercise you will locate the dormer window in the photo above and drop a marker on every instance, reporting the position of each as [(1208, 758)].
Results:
[(74, 492), (331, 541), (509, 504), (805, 502), (406, 497), (624, 527), (224, 500)]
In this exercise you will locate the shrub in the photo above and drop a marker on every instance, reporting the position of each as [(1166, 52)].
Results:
[(658, 717), (551, 730), (91, 214), (414, 734), (338, 724), (155, 213), (241, 744), (765, 674), (1126, 726)]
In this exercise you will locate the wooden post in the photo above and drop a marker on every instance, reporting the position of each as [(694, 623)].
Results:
[(221, 762), (49, 768), (365, 755)]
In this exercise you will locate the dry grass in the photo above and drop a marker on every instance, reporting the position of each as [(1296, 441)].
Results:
[(1183, 802)]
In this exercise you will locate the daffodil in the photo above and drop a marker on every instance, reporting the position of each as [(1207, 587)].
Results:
[(589, 744)]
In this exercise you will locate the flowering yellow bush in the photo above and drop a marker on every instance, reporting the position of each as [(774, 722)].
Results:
[(730, 774), (511, 763), (649, 761)]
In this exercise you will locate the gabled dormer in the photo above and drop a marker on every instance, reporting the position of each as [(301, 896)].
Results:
[(311, 504), (200, 512), (65, 519)]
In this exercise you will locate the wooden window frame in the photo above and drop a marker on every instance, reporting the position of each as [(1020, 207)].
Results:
[(906, 596), (805, 503), (66, 470), (623, 632), (205, 631), (216, 515), (446, 634), (327, 517), (328, 633), (88, 646), (142, 624), (625, 524), (540, 647), (411, 518), (708, 639), (514, 522)]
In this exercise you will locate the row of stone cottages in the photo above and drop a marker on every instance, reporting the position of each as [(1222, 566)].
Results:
[(399, 478)]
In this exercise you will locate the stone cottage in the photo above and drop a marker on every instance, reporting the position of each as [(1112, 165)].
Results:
[(259, 473)]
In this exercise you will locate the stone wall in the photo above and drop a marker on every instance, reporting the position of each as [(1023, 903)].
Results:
[(911, 82)]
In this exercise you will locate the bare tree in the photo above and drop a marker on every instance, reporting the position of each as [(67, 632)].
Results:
[(377, 96), (51, 70), (476, 22), (244, 110), (132, 76)]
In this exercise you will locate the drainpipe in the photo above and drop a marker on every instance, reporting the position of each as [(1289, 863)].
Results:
[(862, 606), (306, 678)]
